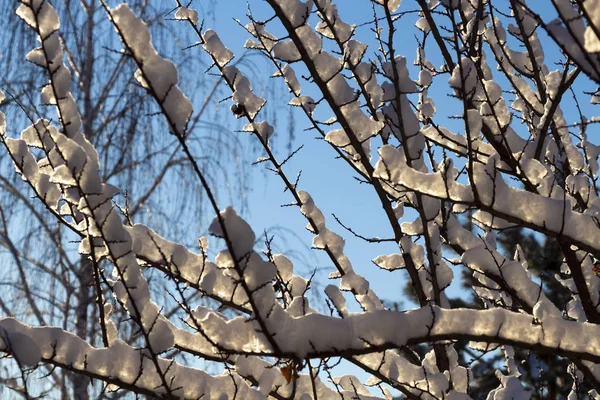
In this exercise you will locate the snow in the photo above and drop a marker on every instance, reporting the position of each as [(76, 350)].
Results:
[(230, 225), (38, 135), (354, 51), (364, 72), (491, 263), (266, 40), (120, 362), (575, 34), (37, 57), (243, 94), (340, 90), (285, 50), (26, 165), (464, 76), (337, 298), (327, 65), (310, 210), (391, 5), (290, 78), (39, 15), (329, 15), (192, 268), (363, 126), (184, 13), (390, 262), (23, 348), (262, 129), (154, 73), (42, 17), (214, 46), (510, 388), (295, 11), (333, 243), (301, 335), (592, 43), (392, 167), (71, 171), (306, 102), (424, 78), (311, 41), (423, 25), (592, 152), (549, 214)]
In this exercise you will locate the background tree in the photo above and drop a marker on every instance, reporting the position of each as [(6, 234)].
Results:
[(512, 167)]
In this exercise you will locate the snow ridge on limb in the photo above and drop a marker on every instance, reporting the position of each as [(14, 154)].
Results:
[(155, 73), (568, 338), (120, 364), (548, 215)]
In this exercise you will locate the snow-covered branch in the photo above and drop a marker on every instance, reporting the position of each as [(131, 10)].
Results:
[(458, 157)]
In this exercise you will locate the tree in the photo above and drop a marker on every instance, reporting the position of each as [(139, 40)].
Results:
[(511, 167), (53, 284)]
